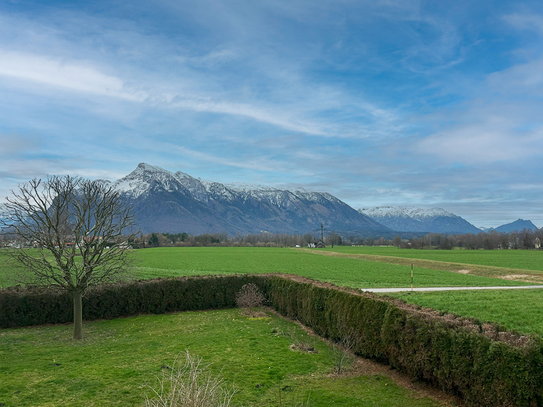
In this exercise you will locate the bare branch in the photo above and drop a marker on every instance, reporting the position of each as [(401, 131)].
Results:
[(71, 232)]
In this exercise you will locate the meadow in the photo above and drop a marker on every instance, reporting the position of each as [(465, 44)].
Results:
[(342, 271), (357, 267), (516, 310), (514, 259), (119, 360)]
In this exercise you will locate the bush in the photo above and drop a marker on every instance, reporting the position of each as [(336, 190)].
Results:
[(249, 296)]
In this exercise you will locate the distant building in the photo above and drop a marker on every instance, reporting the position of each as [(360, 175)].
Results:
[(318, 245), (537, 243)]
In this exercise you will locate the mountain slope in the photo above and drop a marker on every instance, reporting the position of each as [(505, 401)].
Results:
[(177, 202), (518, 225), (412, 219)]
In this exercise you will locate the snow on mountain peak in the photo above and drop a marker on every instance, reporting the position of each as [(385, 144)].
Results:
[(404, 211), (139, 181)]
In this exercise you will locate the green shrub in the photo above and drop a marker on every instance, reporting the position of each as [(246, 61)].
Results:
[(24, 307), (453, 357)]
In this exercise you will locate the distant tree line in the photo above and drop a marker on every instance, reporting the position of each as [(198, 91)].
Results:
[(525, 239), (517, 240)]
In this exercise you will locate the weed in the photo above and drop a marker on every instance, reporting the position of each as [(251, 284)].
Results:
[(190, 385)]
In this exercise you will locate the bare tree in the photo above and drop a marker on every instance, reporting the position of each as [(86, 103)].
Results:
[(72, 234)]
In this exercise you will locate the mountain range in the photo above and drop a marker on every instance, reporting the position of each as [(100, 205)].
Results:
[(518, 225), (412, 219), (168, 202), (177, 202)]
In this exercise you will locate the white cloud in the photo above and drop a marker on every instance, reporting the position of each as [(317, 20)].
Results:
[(526, 78), (481, 144), (532, 22), (70, 75)]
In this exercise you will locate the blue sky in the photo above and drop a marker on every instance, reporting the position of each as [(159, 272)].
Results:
[(431, 104)]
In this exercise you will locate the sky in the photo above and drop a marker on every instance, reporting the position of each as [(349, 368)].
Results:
[(381, 102)]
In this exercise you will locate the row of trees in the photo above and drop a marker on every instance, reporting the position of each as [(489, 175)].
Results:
[(222, 239), (518, 240)]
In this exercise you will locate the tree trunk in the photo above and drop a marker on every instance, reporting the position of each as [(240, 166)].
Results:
[(78, 315)]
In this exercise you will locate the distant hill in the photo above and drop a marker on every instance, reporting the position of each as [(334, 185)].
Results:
[(412, 219), (519, 224), (177, 202)]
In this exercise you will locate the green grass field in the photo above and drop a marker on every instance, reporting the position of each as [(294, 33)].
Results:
[(119, 359), (340, 269), (357, 273), (519, 310), (514, 309), (515, 259)]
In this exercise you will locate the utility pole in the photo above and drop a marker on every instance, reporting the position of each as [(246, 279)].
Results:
[(411, 276), (322, 233)]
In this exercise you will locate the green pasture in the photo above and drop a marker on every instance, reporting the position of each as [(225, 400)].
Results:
[(514, 259), (119, 359), (357, 273), (342, 271), (518, 310)]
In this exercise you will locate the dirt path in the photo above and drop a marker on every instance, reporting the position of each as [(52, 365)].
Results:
[(528, 276)]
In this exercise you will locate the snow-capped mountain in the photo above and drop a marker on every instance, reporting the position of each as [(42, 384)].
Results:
[(177, 202), (518, 225), (412, 219)]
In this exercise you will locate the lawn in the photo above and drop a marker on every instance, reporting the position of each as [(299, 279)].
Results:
[(119, 359)]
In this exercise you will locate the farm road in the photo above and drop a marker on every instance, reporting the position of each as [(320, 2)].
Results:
[(397, 290)]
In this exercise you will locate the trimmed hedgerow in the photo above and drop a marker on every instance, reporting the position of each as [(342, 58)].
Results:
[(484, 367), (24, 307), (459, 360)]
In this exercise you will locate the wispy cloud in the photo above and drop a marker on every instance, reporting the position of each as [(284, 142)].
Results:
[(69, 75), (374, 101)]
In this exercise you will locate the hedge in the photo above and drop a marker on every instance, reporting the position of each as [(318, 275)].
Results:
[(24, 307), (462, 359)]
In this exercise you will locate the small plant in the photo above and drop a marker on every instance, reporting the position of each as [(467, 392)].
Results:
[(190, 385), (250, 296), (301, 342), (342, 351)]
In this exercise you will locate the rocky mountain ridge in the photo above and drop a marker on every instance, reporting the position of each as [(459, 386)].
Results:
[(177, 202), (413, 219)]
